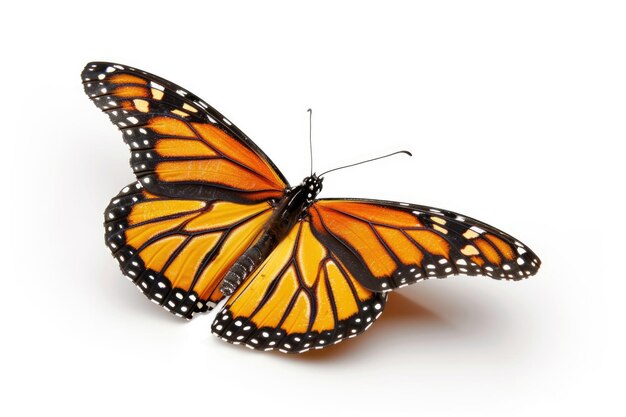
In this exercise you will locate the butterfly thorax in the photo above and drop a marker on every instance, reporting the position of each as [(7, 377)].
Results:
[(290, 209)]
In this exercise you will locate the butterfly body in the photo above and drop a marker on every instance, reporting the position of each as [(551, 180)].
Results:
[(211, 216), (289, 210)]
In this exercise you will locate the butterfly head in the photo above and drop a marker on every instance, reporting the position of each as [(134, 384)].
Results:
[(312, 186)]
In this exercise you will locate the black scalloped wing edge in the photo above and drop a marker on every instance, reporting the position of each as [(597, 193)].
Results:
[(242, 331)]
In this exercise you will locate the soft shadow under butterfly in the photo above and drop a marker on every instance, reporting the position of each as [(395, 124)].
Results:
[(211, 216)]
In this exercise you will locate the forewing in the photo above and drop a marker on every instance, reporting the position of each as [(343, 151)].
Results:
[(388, 245), (302, 297), (177, 250), (180, 146)]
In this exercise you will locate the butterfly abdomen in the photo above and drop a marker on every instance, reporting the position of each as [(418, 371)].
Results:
[(248, 262), (288, 212)]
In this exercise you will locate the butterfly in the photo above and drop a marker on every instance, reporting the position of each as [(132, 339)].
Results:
[(210, 216)]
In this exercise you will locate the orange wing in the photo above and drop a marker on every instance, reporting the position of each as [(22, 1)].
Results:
[(388, 245), (177, 250), (301, 297), (180, 145)]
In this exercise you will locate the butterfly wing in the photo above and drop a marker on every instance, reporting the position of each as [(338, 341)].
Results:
[(180, 146), (176, 250), (203, 190), (301, 297), (388, 245)]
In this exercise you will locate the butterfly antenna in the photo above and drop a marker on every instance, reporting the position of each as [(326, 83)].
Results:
[(368, 160), (310, 138)]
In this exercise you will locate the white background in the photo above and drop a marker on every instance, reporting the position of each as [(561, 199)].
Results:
[(514, 112)]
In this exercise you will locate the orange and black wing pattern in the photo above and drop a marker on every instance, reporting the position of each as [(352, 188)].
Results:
[(387, 245), (180, 146), (176, 250), (302, 297)]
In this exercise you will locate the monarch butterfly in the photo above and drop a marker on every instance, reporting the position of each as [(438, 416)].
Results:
[(211, 216)]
